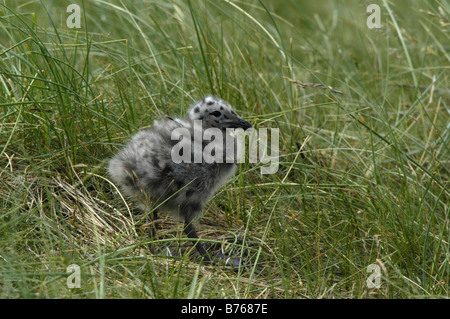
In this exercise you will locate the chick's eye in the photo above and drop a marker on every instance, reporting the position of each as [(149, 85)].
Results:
[(216, 113)]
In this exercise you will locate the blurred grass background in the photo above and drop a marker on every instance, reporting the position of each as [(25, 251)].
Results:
[(364, 167)]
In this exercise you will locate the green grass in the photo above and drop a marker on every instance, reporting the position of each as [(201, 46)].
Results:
[(363, 175)]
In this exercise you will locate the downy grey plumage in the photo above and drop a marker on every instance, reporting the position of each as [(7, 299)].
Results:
[(145, 168)]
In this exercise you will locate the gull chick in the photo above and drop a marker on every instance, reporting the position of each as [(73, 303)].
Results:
[(145, 168)]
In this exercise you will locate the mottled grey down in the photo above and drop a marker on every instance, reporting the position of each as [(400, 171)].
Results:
[(144, 169)]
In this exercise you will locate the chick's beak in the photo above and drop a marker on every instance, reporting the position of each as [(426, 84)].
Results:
[(243, 124)]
